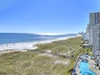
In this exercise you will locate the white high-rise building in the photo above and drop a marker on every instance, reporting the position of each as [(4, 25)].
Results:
[(94, 35), (89, 33), (95, 30)]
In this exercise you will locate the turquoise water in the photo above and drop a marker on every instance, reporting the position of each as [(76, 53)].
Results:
[(6, 38), (84, 68)]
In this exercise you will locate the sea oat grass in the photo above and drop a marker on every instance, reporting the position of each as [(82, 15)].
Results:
[(48, 59)]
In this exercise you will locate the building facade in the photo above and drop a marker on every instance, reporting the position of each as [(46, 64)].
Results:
[(95, 30), (94, 35), (89, 33), (94, 18)]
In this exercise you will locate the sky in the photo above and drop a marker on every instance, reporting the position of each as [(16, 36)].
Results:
[(46, 16)]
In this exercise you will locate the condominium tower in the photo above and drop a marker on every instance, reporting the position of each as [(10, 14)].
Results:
[(95, 30)]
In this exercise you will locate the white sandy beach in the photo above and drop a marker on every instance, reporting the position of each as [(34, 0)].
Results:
[(23, 46)]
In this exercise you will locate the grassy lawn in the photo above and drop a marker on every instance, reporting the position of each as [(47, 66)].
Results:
[(56, 58)]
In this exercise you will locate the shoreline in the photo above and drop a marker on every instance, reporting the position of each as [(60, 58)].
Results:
[(24, 46)]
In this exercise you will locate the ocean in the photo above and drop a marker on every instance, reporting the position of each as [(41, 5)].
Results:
[(7, 38)]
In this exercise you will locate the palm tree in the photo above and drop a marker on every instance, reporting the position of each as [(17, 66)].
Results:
[(72, 54), (70, 70), (87, 50), (70, 49), (83, 52), (74, 51)]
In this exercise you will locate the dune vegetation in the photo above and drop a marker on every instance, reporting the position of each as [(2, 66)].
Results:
[(56, 58)]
